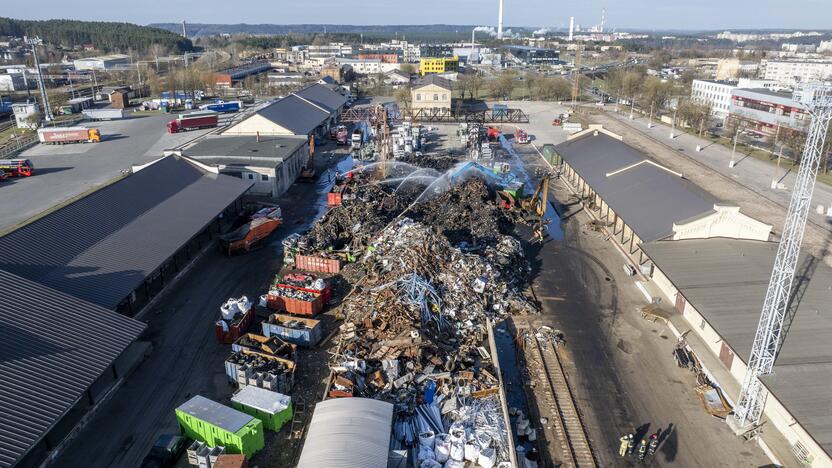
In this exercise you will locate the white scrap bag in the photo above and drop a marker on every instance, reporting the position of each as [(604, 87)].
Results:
[(430, 464), (454, 464), (233, 306), (472, 452), (487, 458), (442, 448), (426, 439), (223, 324), (264, 300), (425, 453), (457, 451)]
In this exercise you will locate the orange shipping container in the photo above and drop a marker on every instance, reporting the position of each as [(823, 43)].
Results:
[(317, 264), (230, 461)]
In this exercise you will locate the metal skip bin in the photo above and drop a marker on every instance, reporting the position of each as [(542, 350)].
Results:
[(317, 264), (300, 331)]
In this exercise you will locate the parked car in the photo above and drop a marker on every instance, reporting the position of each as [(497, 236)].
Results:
[(165, 451)]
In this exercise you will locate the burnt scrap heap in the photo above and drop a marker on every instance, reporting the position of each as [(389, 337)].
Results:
[(415, 335)]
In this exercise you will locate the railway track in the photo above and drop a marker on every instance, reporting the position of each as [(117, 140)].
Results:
[(577, 451)]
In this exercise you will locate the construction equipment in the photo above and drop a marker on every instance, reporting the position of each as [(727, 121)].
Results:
[(521, 136), (260, 225), (777, 304), (536, 204), (576, 76)]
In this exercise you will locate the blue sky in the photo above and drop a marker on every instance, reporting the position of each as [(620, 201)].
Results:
[(645, 14)]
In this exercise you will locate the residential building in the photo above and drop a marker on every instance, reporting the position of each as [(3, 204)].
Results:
[(762, 111), (369, 66), (341, 73), (438, 65), (325, 51), (271, 163), (431, 92), (727, 69), (396, 78), (717, 94), (106, 62), (792, 72), (384, 57)]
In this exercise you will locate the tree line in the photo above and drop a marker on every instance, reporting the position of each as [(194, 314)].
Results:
[(104, 36)]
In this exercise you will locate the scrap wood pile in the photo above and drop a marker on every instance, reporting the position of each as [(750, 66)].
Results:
[(416, 335)]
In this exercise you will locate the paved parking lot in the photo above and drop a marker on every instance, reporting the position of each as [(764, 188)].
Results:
[(64, 171)]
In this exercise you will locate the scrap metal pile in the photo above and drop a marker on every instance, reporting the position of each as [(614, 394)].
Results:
[(433, 161), (416, 335)]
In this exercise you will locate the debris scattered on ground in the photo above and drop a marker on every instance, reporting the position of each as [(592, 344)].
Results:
[(433, 161)]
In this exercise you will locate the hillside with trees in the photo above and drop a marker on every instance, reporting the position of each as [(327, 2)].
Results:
[(105, 36)]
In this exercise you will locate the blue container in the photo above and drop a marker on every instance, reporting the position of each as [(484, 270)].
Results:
[(297, 330)]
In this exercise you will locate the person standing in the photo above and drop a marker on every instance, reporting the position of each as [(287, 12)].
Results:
[(626, 440)]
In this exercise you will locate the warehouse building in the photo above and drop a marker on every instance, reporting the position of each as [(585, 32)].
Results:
[(766, 112), (526, 55), (324, 97), (107, 62), (118, 247), (349, 432), (60, 356), (271, 163), (718, 287), (643, 201), (231, 76)]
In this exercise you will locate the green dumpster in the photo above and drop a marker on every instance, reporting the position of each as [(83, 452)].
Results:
[(208, 421), (272, 408)]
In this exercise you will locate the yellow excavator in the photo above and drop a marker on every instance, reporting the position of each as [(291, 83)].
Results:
[(307, 173), (536, 204)]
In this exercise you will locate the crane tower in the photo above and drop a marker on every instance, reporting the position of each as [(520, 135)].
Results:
[(769, 334)]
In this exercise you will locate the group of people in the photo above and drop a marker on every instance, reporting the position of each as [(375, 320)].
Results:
[(644, 449)]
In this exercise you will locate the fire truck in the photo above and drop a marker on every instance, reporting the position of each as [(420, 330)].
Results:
[(17, 167)]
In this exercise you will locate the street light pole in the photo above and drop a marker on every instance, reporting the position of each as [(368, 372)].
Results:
[(632, 107), (650, 122), (673, 124), (35, 42), (734, 150)]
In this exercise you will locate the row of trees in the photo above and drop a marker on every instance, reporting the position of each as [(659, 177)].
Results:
[(105, 36)]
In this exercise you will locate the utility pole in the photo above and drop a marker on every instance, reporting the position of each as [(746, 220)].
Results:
[(779, 155), (734, 150), (770, 330), (34, 42), (632, 106), (673, 124), (650, 122), (576, 75)]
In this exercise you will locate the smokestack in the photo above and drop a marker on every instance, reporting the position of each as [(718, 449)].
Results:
[(184, 31), (500, 22), (571, 26), (603, 19)]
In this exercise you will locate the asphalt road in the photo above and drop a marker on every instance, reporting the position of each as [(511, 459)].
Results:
[(64, 171)]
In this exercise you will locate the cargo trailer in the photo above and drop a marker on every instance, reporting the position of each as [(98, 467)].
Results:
[(103, 114), (193, 121), (64, 135), (272, 408), (222, 107), (207, 421), (300, 331)]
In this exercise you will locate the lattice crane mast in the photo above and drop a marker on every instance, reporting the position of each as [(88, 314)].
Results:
[(769, 334)]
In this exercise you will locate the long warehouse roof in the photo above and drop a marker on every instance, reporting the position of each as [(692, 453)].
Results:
[(101, 247), (648, 197), (348, 432), (52, 348), (294, 114), (322, 96), (726, 281)]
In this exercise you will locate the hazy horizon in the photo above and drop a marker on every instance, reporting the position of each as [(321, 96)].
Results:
[(633, 14)]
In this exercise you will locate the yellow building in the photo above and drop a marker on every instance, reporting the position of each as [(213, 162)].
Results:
[(438, 65)]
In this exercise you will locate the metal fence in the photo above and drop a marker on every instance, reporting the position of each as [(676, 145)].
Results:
[(17, 145)]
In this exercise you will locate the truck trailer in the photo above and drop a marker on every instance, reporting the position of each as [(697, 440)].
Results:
[(193, 121), (103, 114), (222, 107), (63, 135)]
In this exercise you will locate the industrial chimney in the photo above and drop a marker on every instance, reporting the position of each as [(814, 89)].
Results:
[(500, 22), (571, 26)]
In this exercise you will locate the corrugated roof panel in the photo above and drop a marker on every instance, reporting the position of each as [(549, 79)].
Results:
[(323, 96), (347, 433), (52, 348), (294, 114), (648, 198), (101, 247), (214, 413)]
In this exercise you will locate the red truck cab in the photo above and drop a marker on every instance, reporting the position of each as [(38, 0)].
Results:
[(17, 167)]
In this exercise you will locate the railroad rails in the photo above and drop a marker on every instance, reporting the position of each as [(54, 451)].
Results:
[(569, 429)]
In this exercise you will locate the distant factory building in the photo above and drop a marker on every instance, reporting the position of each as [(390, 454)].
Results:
[(526, 55), (13, 82), (230, 76), (271, 163), (642, 200), (762, 111), (106, 62)]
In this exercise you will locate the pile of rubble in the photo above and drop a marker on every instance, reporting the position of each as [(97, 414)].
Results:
[(433, 161), (416, 335)]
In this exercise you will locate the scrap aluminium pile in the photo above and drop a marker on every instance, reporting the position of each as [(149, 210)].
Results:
[(415, 334)]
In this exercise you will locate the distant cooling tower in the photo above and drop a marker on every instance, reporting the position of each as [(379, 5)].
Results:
[(571, 26)]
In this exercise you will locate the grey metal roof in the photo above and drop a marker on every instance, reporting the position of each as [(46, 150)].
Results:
[(803, 390), (348, 433), (432, 79), (323, 96), (648, 198), (214, 413), (229, 150), (52, 348), (101, 247), (294, 114), (726, 280)]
